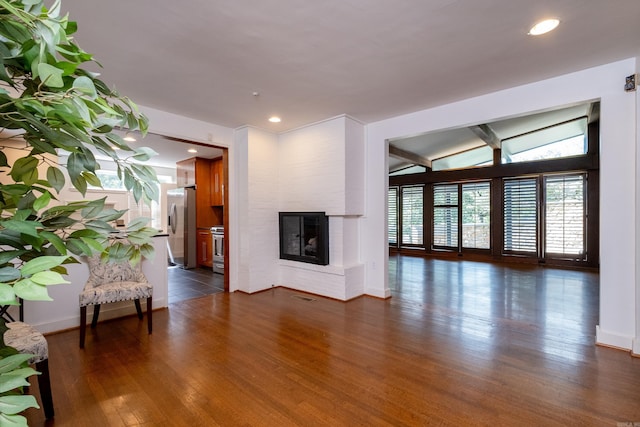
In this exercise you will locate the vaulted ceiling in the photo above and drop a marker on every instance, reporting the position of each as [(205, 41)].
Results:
[(423, 149), (237, 63)]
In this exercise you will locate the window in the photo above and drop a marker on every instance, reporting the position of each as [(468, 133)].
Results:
[(462, 207), (445, 215), (481, 156), (564, 215), (393, 216), (520, 210), (562, 140), (476, 215), (412, 205)]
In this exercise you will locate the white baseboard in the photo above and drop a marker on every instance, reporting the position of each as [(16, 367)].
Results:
[(611, 339), (107, 312), (377, 294), (635, 350)]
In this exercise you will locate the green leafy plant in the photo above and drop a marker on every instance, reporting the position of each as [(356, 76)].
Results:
[(50, 109)]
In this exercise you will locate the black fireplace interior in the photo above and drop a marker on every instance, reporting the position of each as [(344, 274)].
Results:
[(304, 236)]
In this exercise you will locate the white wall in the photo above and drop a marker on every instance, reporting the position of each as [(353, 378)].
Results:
[(254, 216), (322, 168), (618, 279)]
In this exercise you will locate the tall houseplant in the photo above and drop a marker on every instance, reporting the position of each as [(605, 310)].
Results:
[(51, 107)]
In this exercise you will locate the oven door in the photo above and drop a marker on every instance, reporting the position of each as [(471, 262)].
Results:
[(218, 253)]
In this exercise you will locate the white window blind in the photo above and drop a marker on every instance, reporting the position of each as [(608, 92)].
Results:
[(520, 211), (393, 216), (564, 214), (445, 215), (476, 215), (412, 215)]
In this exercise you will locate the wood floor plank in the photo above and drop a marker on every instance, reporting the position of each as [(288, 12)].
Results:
[(460, 343)]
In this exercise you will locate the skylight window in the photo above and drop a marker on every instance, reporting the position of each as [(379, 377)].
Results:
[(563, 140), (482, 156)]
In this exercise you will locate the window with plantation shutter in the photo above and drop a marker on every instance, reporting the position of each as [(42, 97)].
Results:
[(476, 215), (520, 210), (564, 214), (445, 215), (412, 205), (393, 216)]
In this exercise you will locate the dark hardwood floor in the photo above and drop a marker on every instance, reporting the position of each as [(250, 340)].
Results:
[(460, 343)]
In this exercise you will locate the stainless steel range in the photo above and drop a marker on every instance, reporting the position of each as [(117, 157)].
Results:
[(217, 234)]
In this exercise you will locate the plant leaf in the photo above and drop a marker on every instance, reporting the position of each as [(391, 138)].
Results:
[(85, 85), (42, 263), (23, 166), (10, 363), (42, 201), (9, 382), (7, 296), (7, 420), (6, 256), (144, 153), (55, 178), (48, 278), (137, 224), (9, 274), (30, 290), (14, 404), (25, 227), (55, 241), (50, 75)]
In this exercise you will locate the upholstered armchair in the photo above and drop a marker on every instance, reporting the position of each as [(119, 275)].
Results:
[(113, 282), (27, 340)]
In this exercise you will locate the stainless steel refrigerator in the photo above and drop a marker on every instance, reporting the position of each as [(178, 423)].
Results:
[(181, 203)]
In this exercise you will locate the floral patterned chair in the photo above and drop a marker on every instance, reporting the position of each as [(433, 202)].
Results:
[(112, 282), (27, 340)]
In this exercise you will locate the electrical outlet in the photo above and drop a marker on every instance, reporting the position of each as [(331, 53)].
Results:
[(630, 83)]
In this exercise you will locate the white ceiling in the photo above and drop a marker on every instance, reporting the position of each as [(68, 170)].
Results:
[(313, 60)]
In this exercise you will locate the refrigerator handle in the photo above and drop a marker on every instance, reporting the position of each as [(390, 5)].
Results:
[(173, 223)]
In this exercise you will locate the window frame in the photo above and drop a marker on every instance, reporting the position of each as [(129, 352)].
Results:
[(401, 216), (459, 246)]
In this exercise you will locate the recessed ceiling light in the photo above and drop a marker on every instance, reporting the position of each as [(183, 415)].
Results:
[(544, 27), (275, 119), (192, 150)]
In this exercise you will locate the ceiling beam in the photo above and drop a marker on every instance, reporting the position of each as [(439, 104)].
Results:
[(414, 158), (485, 133)]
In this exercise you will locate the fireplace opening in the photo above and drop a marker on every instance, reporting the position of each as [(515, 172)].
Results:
[(304, 237)]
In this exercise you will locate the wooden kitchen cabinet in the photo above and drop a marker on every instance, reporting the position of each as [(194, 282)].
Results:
[(217, 182), (205, 248), (198, 172), (186, 173)]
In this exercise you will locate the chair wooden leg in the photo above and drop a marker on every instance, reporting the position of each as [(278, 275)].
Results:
[(83, 324), (96, 313), (44, 382), (138, 308), (149, 314)]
